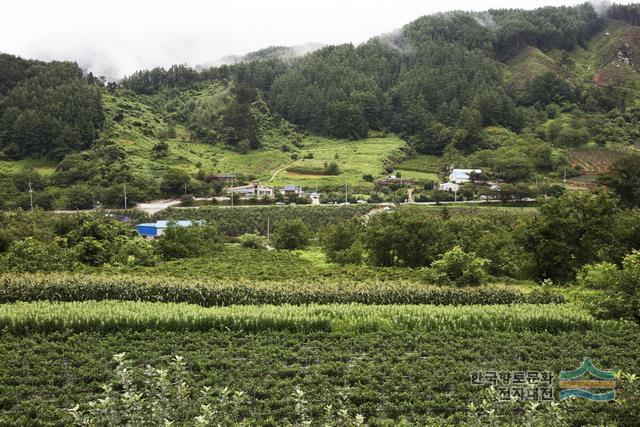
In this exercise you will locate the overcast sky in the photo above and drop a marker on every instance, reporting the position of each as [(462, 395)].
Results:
[(117, 37)]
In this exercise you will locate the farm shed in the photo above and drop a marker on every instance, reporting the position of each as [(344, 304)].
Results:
[(155, 229)]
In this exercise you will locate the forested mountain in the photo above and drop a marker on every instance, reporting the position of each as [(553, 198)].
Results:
[(437, 81), (46, 109), (493, 87)]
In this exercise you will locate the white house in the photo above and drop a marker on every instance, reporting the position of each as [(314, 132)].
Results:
[(460, 176), (449, 186), (254, 190)]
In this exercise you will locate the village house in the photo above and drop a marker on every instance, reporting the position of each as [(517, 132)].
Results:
[(449, 186), (461, 176), (253, 190)]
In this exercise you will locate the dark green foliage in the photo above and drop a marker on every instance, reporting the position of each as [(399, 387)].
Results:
[(187, 242), (47, 110), (571, 231), (402, 379), (31, 255), (623, 177), (407, 238), (175, 182), (290, 235), (342, 242)]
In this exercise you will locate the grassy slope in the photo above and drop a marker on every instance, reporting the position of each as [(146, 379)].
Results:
[(138, 129), (136, 133)]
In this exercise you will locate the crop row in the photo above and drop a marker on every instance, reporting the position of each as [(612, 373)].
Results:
[(73, 287), (107, 316), (421, 376)]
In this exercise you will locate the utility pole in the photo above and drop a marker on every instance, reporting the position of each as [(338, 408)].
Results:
[(30, 196), (185, 188), (125, 193), (233, 177), (346, 199), (268, 229)]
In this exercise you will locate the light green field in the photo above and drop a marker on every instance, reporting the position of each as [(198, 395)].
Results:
[(43, 166), (354, 158)]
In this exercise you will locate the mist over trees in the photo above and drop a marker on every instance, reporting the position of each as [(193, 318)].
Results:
[(437, 82)]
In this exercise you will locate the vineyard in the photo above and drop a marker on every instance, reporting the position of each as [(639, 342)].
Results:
[(593, 161)]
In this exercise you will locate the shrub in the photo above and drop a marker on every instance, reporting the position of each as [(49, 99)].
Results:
[(252, 241), (596, 276), (404, 237), (622, 299), (93, 252), (31, 255), (341, 243), (136, 251), (187, 242), (187, 200), (293, 234), (332, 169), (461, 268)]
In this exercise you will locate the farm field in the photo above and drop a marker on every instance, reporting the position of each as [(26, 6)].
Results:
[(594, 161), (387, 373), (270, 164)]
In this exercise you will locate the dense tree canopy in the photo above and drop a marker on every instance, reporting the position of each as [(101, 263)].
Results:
[(46, 109)]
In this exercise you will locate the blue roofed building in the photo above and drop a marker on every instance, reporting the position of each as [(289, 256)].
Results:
[(156, 229)]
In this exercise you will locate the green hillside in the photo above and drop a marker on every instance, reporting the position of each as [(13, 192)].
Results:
[(517, 99)]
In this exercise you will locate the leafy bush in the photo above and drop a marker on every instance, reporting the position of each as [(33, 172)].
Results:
[(341, 243), (404, 238), (31, 255), (332, 169), (252, 241), (597, 276), (134, 251), (622, 299), (461, 268), (291, 235), (187, 242)]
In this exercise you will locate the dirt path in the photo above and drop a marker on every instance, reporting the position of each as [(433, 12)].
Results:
[(282, 168), (154, 207)]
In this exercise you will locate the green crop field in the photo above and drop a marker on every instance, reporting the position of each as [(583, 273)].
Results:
[(410, 363)]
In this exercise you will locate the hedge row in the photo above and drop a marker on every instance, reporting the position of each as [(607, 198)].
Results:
[(241, 220), (76, 287)]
